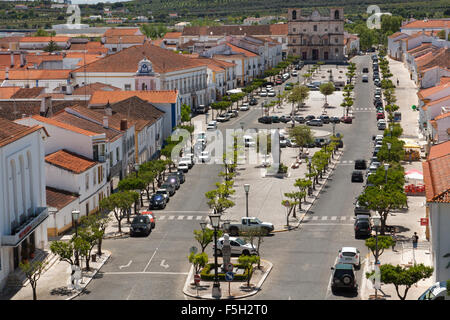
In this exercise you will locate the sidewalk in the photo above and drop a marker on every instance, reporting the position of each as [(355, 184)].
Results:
[(229, 290)]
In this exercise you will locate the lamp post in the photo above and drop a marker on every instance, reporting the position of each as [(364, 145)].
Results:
[(389, 150), (376, 220), (386, 167), (247, 189), (203, 225), (75, 217), (334, 127), (215, 221)]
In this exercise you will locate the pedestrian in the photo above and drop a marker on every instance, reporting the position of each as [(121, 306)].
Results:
[(415, 239), (394, 238), (398, 82)]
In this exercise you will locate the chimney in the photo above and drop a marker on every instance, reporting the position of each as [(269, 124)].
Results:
[(43, 107), (105, 121), (6, 73), (123, 125), (108, 109), (12, 59), (22, 59), (46, 109)]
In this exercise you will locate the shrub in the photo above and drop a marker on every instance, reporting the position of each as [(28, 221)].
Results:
[(207, 273)]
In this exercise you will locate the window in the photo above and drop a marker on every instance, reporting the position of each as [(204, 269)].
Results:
[(315, 27), (94, 176), (111, 159), (100, 174), (87, 181), (336, 15), (294, 15), (87, 208), (294, 41), (117, 154), (294, 29), (127, 87), (336, 40), (336, 29)]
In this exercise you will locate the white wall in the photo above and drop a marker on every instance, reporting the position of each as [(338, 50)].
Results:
[(432, 77), (440, 239)]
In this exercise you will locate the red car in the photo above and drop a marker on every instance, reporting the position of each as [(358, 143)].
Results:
[(279, 81), (346, 119), (380, 115)]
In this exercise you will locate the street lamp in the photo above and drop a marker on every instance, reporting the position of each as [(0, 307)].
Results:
[(75, 217), (247, 189), (376, 220), (386, 167), (215, 221), (203, 225), (389, 150)]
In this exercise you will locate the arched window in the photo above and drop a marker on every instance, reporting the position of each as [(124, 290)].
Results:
[(294, 15), (336, 15)]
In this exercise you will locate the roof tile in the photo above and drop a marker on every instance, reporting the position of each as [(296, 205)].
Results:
[(70, 161)]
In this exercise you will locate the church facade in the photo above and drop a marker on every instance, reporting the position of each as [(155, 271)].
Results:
[(317, 35)]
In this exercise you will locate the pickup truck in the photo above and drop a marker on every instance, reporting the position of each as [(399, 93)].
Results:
[(250, 223)]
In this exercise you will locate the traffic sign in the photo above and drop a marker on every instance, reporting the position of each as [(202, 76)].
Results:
[(197, 278), (423, 221), (229, 276)]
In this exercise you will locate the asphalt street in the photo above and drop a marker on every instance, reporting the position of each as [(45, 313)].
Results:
[(155, 267)]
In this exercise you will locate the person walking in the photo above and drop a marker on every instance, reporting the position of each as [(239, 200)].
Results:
[(398, 83), (415, 240), (394, 238)]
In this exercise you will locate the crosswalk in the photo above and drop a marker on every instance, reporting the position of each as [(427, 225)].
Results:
[(329, 218), (364, 109), (169, 217)]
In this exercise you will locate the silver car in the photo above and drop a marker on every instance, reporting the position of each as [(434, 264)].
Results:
[(238, 246)]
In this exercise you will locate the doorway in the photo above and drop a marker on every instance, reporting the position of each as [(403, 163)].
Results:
[(315, 54), (325, 55)]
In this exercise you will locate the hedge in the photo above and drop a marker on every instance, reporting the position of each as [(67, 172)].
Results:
[(206, 275)]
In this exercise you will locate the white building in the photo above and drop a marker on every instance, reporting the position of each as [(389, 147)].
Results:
[(23, 208), (30, 78), (39, 43)]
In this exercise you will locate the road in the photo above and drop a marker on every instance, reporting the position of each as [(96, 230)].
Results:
[(155, 267)]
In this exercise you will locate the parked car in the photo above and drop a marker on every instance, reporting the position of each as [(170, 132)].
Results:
[(360, 209), (189, 159), (279, 81), (178, 174), (381, 124), (343, 277), (253, 102), (232, 114), (157, 201), (204, 157), (263, 93), (294, 73), (325, 119), (350, 255), (223, 117), (164, 193), (320, 142), (244, 107), (299, 119), (309, 117), (315, 123), (238, 247), (212, 125), (141, 225), (250, 223), (357, 176), (271, 94), (183, 166), (365, 70), (362, 226), (437, 291), (365, 78), (265, 119), (285, 119), (360, 164), (312, 87), (335, 120), (380, 115), (346, 119), (174, 181), (169, 187), (275, 119)]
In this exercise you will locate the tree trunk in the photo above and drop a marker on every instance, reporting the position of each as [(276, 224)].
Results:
[(33, 286), (99, 247)]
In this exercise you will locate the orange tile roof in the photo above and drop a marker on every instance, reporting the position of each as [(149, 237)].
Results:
[(279, 29), (431, 103), (172, 35), (102, 97), (209, 62), (59, 198), (124, 39), (128, 59), (11, 131), (113, 121), (436, 173), (88, 57), (64, 125), (422, 24), (240, 50), (427, 92), (8, 92), (34, 74), (439, 150), (395, 35), (45, 39), (444, 80), (96, 86), (70, 161), (121, 32)]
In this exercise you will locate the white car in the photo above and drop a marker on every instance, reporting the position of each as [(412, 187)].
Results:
[(271, 94), (212, 125), (244, 107), (269, 87), (294, 73), (183, 166), (238, 246), (263, 93), (188, 160), (204, 157), (350, 255)]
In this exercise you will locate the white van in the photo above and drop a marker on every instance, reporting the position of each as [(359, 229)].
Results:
[(249, 141), (437, 291), (365, 78), (286, 76), (381, 124)]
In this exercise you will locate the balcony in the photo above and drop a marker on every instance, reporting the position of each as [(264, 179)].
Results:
[(25, 228)]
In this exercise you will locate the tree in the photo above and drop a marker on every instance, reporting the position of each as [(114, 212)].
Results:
[(384, 242), (65, 251), (400, 276), (248, 262), (205, 237), (51, 47), (217, 199), (303, 185), (198, 260), (185, 113), (119, 203), (33, 272), (132, 183), (327, 89), (298, 95), (91, 232), (257, 235), (302, 135)]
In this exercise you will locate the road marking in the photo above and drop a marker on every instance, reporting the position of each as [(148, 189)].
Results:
[(180, 217), (162, 218), (324, 218), (180, 212), (199, 217), (333, 218), (306, 218), (126, 266), (165, 266), (328, 293), (150, 260), (190, 217), (315, 218), (171, 217), (149, 272), (327, 224), (343, 218)]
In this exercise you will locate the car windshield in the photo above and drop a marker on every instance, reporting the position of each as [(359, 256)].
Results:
[(427, 295), (348, 254), (338, 273), (240, 241), (140, 220), (161, 192)]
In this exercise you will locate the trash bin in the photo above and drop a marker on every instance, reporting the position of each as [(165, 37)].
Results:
[(94, 257)]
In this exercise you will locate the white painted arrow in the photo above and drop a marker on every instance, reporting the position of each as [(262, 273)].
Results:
[(164, 265), (127, 265)]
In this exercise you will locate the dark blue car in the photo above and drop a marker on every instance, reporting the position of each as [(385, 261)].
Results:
[(157, 201)]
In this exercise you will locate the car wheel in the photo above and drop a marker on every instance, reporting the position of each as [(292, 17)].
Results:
[(346, 280), (234, 231), (246, 253)]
